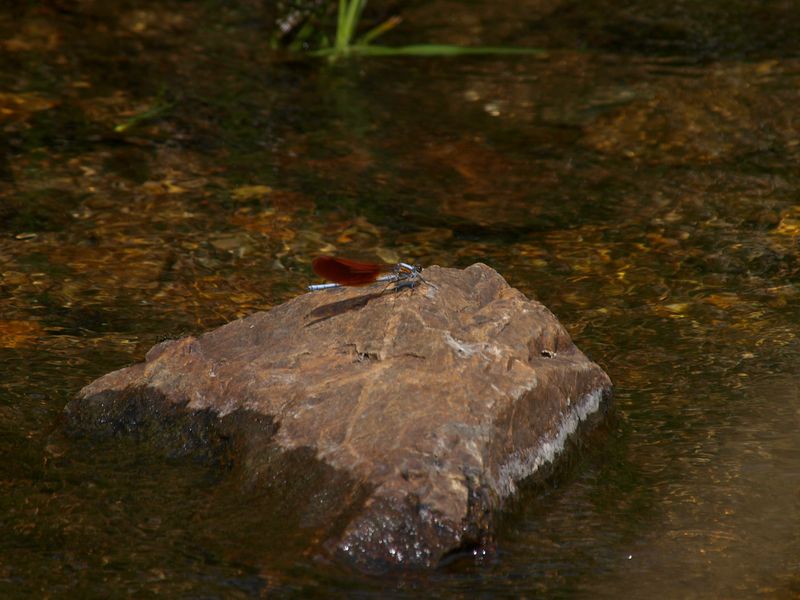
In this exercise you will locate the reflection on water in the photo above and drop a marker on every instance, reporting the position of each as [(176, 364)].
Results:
[(641, 181)]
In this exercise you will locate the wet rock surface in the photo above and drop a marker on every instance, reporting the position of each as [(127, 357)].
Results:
[(417, 411)]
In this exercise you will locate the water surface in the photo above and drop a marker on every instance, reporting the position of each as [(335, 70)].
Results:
[(640, 180)]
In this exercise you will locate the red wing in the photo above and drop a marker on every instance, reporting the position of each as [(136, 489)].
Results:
[(348, 272)]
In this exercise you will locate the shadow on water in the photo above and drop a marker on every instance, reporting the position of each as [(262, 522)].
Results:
[(640, 180)]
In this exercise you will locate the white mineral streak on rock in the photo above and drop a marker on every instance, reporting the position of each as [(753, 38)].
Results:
[(525, 463), (467, 349), (463, 348)]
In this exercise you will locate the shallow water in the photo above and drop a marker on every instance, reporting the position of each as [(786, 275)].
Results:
[(640, 180)]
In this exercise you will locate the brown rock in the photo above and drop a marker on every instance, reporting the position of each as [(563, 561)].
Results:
[(422, 408)]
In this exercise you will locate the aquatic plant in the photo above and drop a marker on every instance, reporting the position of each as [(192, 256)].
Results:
[(345, 42), (160, 107)]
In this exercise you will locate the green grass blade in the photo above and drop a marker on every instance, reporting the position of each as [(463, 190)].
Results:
[(375, 32), (340, 25), (348, 22), (157, 111), (432, 50)]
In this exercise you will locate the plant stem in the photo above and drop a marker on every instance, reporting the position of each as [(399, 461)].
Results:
[(347, 22)]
